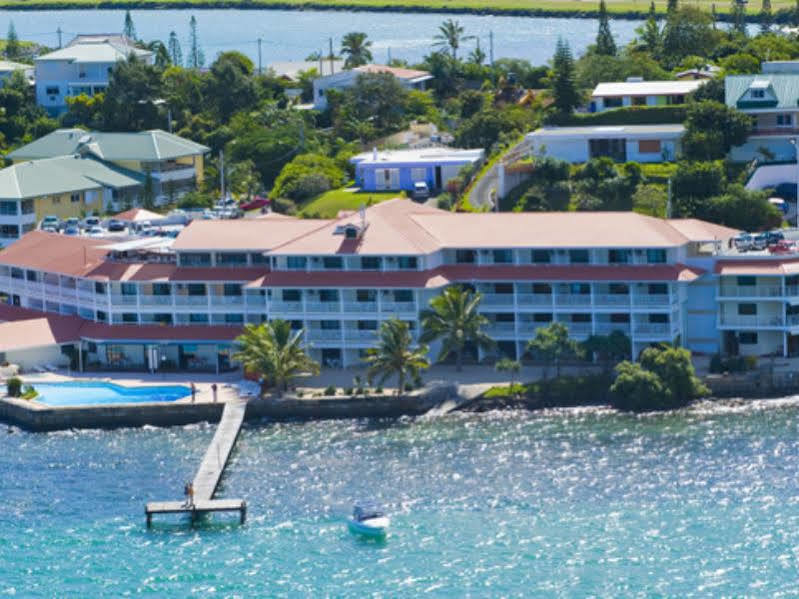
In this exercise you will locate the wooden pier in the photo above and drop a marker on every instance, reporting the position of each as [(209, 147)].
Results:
[(210, 472)]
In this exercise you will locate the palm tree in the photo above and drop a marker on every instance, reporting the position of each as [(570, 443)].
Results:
[(455, 320), (356, 48), (450, 34), (395, 356), (273, 351)]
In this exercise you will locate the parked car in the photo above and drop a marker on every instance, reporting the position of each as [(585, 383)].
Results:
[(91, 221), (50, 222), (760, 241), (72, 222), (96, 231), (71, 230), (775, 237), (783, 247), (254, 204), (115, 226), (744, 242), (420, 191)]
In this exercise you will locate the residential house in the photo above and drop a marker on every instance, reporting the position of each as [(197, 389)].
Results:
[(8, 67), (637, 92), (174, 163), (82, 67), (410, 78), (65, 186), (395, 170), (634, 143), (771, 98), (654, 280)]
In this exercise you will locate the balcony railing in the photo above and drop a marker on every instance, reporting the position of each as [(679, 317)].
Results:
[(573, 299), (323, 306), (612, 300), (398, 307), (652, 330), (753, 291), (324, 334), (155, 300), (360, 306), (123, 300), (256, 301), (360, 335), (227, 300), (191, 300), (606, 328), (497, 299), (286, 307), (501, 328), (652, 300), (751, 321), (534, 299)]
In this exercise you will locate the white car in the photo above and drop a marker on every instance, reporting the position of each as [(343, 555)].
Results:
[(91, 221), (96, 231)]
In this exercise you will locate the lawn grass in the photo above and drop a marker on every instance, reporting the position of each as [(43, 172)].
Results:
[(331, 202), (621, 8)]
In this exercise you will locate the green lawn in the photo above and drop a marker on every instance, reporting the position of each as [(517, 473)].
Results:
[(329, 203), (621, 7)]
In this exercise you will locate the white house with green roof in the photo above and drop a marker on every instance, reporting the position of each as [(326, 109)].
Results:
[(174, 163), (81, 67), (772, 99), (64, 186)]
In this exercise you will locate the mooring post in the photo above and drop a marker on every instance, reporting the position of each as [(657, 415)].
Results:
[(243, 512)]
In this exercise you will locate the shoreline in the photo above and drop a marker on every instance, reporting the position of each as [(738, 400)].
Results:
[(575, 9)]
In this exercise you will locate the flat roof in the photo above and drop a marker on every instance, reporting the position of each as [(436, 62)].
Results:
[(425, 155), (647, 88), (670, 130)]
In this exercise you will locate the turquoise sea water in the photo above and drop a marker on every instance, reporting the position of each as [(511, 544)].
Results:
[(94, 393), (566, 503)]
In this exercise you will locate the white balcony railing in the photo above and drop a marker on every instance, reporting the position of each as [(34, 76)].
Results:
[(576, 299), (652, 300), (751, 291), (177, 174), (325, 307), (652, 330), (360, 306), (398, 307), (612, 300), (191, 300), (497, 299), (534, 299), (751, 321), (292, 307), (155, 300), (227, 300), (360, 335), (323, 334), (606, 328), (123, 300)]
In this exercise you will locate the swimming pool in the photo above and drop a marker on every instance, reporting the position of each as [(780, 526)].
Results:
[(102, 393)]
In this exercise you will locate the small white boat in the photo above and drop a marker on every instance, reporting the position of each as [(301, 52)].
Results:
[(368, 521)]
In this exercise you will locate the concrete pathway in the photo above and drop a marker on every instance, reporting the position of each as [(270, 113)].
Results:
[(483, 192)]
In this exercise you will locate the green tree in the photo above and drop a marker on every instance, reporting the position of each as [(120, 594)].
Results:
[(766, 17), (243, 178), (477, 56), (688, 31), (740, 208), (275, 353), (129, 29), (671, 6), (306, 176), (12, 42), (451, 35), (712, 129), (650, 31), (674, 368), (605, 44), (129, 103), (738, 13), (564, 90), (229, 85), (455, 321), (376, 99), (636, 389), (512, 367), (161, 54), (173, 47), (355, 47), (608, 349), (551, 344), (196, 58), (395, 355)]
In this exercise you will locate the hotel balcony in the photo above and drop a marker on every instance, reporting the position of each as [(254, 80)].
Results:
[(218, 301), (606, 328), (501, 329), (323, 307), (191, 300), (534, 299), (360, 306), (360, 336), (749, 322), (573, 299), (123, 300), (155, 300), (173, 174), (323, 335), (398, 307), (726, 292), (497, 299), (612, 300), (255, 300), (654, 300), (286, 307), (653, 330)]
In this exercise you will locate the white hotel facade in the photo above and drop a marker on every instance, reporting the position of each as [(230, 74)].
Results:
[(130, 306)]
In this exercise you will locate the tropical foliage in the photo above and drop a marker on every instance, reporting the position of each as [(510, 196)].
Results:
[(454, 321), (552, 345), (274, 352), (395, 355), (355, 47)]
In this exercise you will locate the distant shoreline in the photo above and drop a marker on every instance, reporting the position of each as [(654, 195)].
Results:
[(503, 8)]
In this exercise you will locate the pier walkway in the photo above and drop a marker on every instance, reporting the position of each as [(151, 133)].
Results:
[(210, 472)]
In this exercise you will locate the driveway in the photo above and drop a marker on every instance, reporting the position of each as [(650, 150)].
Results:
[(485, 188)]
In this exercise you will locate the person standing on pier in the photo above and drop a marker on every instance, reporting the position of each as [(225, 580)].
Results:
[(193, 392), (191, 494), (213, 388)]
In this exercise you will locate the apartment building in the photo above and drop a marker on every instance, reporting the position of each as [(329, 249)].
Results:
[(338, 279)]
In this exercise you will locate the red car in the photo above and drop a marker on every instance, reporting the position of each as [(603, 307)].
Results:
[(254, 204), (783, 247)]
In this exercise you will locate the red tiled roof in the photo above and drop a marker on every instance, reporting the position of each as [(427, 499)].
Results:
[(55, 253), (765, 266)]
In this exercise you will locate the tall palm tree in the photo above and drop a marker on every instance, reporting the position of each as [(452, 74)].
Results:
[(355, 47), (273, 351), (394, 355), (450, 34), (455, 320)]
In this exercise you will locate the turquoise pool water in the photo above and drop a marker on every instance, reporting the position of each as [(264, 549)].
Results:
[(567, 503), (99, 393)]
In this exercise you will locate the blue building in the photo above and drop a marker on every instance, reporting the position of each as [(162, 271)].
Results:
[(400, 169)]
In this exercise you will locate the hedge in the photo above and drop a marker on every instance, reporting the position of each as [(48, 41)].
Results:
[(633, 115)]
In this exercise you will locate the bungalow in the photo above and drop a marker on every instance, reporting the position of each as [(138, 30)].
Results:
[(637, 92), (634, 143), (409, 78), (7, 68), (400, 169)]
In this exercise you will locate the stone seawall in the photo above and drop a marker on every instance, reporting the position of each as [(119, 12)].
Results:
[(36, 417)]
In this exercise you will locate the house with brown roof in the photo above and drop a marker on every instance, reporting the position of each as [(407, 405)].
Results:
[(338, 279), (410, 78)]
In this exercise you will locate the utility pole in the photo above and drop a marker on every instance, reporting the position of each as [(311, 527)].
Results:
[(332, 67), (222, 173), (491, 47), (668, 200), (59, 32), (259, 57), (321, 65)]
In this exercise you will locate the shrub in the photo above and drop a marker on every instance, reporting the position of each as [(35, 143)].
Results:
[(306, 176), (408, 387), (330, 390), (14, 386), (283, 206), (348, 391), (633, 115), (378, 391), (732, 364)]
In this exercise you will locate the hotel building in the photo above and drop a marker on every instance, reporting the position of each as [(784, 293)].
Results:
[(152, 303)]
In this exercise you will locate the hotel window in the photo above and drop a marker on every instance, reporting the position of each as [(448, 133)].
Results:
[(418, 175), (162, 289), (581, 318), (616, 102), (74, 198), (618, 289), (675, 99), (747, 309), (541, 256), (579, 257), (258, 258), (8, 208), (619, 317), (130, 317), (638, 100), (231, 289), (659, 318), (330, 325), (370, 263), (503, 257), (328, 295), (747, 338), (619, 256), (784, 120), (234, 318), (543, 288), (291, 295), (579, 289), (101, 316), (656, 256), (333, 263), (658, 289), (195, 289), (99, 288), (9, 231), (365, 295), (407, 263), (27, 207), (465, 256), (747, 281), (296, 262), (30, 275), (162, 318), (403, 295), (367, 325), (198, 318), (542, 317), (231, 259), (127, 289), (17, 273), (52, 90), (195, 259)]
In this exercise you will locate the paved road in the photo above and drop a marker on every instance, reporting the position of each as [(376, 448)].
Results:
[(485, 188)]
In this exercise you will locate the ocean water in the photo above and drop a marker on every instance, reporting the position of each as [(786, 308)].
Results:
[(564, 503)]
